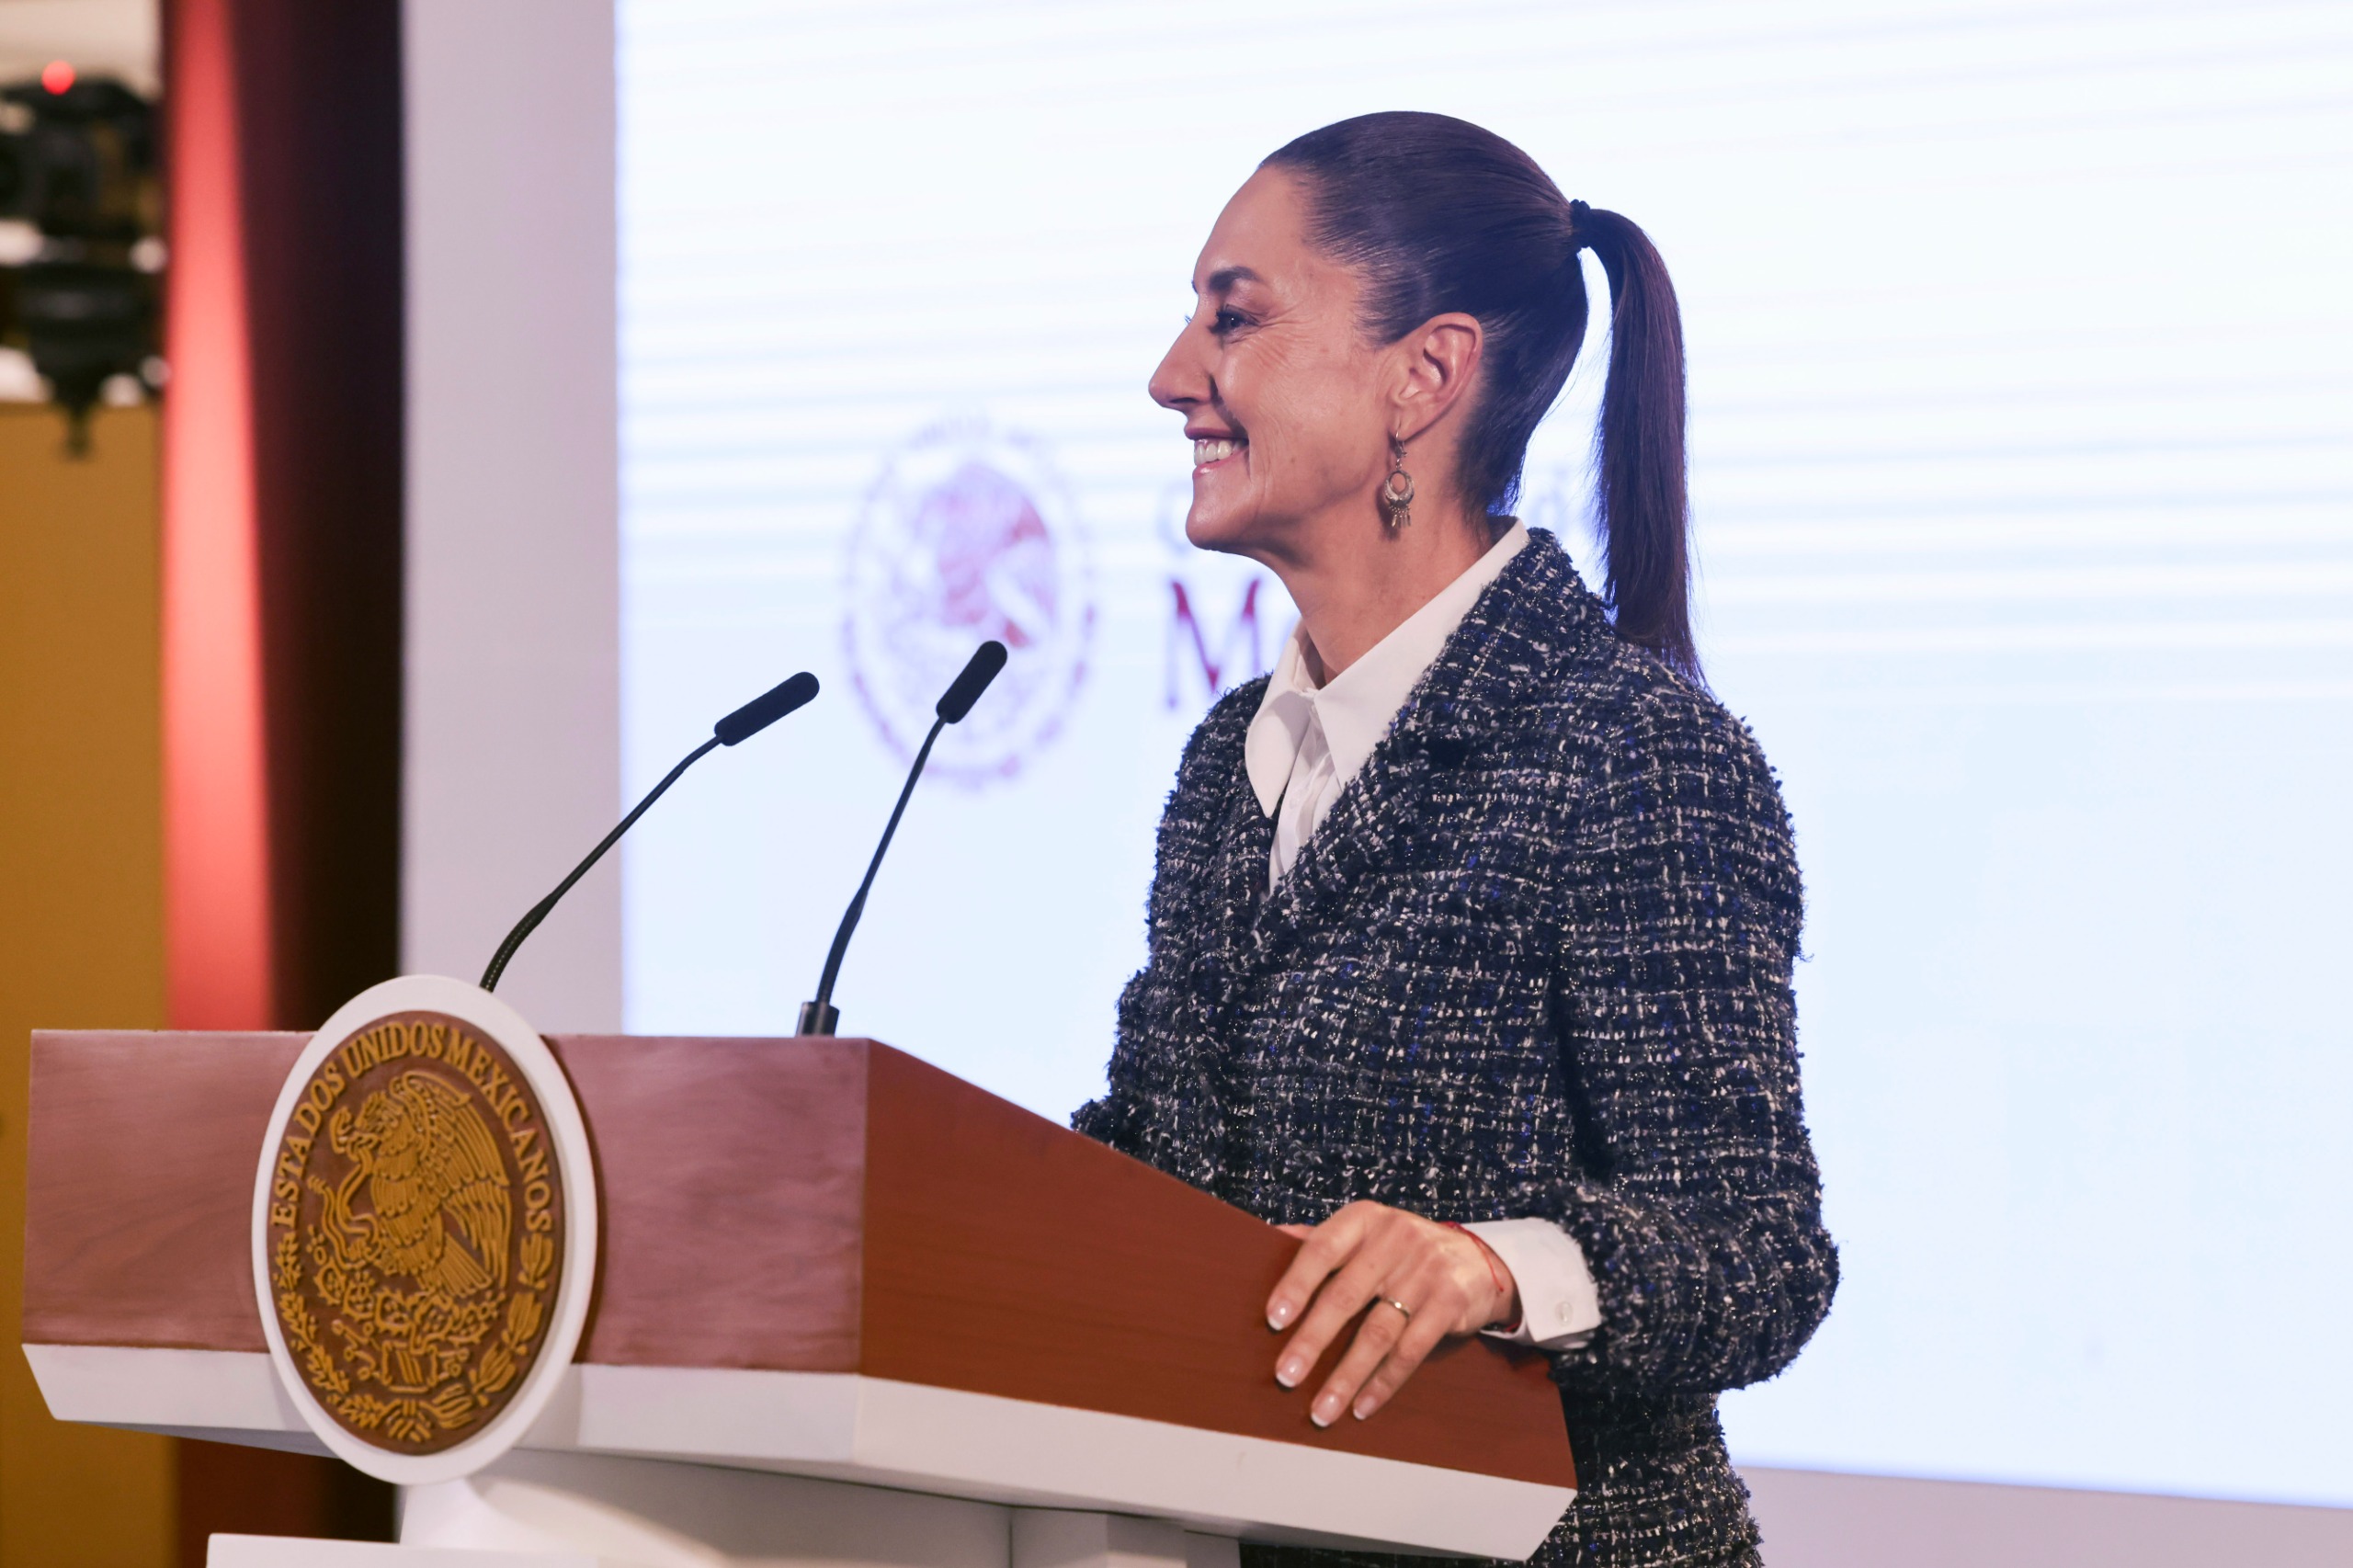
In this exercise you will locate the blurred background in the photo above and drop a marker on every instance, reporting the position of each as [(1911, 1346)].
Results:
[(427, 416)]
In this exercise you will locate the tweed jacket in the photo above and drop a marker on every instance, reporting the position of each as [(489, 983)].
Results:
[(1536, 961)]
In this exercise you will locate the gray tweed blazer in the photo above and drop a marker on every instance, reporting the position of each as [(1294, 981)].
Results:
[(1536, 961)]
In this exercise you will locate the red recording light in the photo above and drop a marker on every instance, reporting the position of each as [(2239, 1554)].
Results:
[(57, 76)]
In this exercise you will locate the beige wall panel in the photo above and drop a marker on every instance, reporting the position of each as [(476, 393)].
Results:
[(81, 906)]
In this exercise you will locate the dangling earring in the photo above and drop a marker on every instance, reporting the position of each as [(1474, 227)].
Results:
[(1397, 490)]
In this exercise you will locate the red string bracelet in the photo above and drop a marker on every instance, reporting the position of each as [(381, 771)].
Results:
[(1495, 1272)]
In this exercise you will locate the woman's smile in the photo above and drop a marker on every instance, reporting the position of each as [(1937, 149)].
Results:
[(1210, 452)]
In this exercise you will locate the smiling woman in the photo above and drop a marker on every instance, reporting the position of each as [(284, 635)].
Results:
[(1472, 930)]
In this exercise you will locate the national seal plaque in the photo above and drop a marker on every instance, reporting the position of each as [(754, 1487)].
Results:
[(416, 1220)]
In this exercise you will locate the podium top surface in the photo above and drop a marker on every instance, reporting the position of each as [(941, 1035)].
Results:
[(826, 1206)]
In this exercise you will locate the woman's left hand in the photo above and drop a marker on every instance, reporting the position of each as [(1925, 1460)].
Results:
[(1447, 1282)]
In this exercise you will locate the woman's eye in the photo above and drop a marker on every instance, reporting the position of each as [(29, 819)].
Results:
[(1227, 320)]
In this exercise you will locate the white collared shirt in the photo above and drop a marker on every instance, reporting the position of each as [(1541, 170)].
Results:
[(1308, 741), (1304, 745)]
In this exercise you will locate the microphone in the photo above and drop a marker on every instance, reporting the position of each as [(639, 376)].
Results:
[(733, 729), (820, 1016)]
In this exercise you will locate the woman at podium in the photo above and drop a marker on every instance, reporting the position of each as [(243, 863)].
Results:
[(1473, 923)]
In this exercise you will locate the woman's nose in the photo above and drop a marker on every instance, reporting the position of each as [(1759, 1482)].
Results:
[(1180, 383)]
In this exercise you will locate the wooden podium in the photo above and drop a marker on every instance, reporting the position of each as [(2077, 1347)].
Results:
[(847, 1309)]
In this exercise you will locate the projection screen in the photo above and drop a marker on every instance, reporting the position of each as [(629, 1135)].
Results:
[(2022, 430)]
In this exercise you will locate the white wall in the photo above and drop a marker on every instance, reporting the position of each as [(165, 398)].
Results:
[(513, 719)]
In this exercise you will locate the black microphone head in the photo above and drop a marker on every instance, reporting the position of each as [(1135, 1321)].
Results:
[(766, 708), (979, 670)]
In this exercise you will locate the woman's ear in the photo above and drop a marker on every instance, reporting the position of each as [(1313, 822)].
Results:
[(1437, 362)]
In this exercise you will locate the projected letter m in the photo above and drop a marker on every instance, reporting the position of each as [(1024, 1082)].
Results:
[(1240, 636)]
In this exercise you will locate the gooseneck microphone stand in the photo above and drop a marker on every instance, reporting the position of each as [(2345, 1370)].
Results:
[(820, 1016), (733, 729)]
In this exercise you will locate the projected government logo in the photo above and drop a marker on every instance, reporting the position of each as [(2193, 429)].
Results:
[(968, 534), (413, 1230)]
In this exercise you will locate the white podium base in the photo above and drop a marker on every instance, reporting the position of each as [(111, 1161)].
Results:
[(545, 1510), (878, 1434)]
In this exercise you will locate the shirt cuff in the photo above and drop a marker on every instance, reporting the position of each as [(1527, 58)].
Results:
[(1558, 1306)]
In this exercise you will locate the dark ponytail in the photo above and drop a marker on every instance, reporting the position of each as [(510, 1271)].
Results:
[(1637, 462), (1440, 215)]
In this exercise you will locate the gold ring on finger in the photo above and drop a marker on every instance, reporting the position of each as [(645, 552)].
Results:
[(1400, 1306)]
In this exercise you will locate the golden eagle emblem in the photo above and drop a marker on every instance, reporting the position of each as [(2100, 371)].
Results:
[(437, 1192), (415, 1230)]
